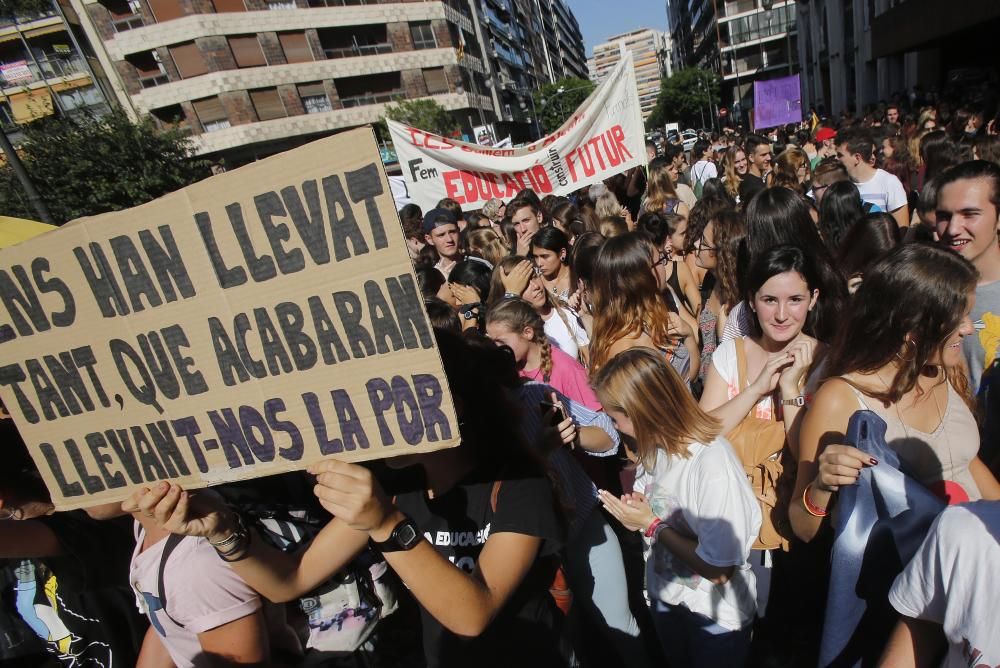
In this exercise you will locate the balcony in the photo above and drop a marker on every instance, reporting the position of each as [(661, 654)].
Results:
[(372, 98), (23, 18), (53, 67), (358, 50)]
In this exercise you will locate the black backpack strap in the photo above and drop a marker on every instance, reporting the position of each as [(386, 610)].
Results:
[(173, 540)]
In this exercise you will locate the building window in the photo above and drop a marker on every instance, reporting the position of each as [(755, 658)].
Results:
[(188, 60), (281, 4), (225, 6), (211, 114), (246, 51), (437, 82), (125, 14), (77, 98), (314, 98), (171, 117), (268, 104), (296, 47), (148, 68), (165, 10), (423, 35)]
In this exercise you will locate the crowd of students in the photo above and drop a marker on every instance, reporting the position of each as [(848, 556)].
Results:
[(655, 379)]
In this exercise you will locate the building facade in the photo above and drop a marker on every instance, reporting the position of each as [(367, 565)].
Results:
[(744, 40), (856, 53), (248, 78), (650, 58), (45, 68)]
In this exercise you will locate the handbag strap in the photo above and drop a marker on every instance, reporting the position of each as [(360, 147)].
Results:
[(742, 382)]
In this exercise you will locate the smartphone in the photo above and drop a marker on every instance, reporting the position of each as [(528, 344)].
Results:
[(546, 406)]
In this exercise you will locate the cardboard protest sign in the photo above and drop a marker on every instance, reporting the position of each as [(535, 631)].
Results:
[(777, 102), (247, 325), (604, 137)]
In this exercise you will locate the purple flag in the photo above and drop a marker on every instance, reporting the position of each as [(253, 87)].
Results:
[(776, 102)]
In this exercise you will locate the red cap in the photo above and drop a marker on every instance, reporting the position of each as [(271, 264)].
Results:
[(825, 133)]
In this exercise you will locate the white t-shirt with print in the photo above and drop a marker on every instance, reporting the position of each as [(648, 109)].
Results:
[(884, 190), (567, 339), (705, 496), (703, 170), (952, 581)]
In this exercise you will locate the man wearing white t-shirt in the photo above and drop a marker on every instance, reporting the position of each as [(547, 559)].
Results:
[(855, 148), (948, 592), (703, 169)]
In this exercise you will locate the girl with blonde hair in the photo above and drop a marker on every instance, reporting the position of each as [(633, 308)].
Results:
[(692, 501), (485, 243), (734, 166), (661, 195), (791, 170)]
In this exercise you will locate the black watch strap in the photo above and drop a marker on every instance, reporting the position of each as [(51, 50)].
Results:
[(404, 536)]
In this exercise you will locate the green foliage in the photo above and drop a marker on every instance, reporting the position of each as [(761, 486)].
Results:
[(554, 107), (423, 114), (684, 96), (26, 8), (86, 165)]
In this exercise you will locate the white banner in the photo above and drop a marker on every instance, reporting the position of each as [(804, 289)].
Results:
[(605, 136)]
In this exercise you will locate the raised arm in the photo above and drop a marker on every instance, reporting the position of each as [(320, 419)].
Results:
[(277, 575), (715, 399), (463, 603)]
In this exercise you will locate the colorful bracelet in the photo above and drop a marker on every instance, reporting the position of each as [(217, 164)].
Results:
[(810, 507), (651, 529)]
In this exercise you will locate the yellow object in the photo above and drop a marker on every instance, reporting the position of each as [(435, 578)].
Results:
[(15, 230)]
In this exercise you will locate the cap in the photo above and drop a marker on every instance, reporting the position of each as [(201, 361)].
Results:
[(436, 217), (492, 208), (825, 133)]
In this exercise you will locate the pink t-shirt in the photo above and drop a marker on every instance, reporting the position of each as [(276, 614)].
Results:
[(202, 593), (569, 377)]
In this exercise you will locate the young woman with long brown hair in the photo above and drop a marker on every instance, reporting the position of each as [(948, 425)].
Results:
[(717, 251), (899, 354), (661, 195), (629, 310), (734, 166), (691, 498)]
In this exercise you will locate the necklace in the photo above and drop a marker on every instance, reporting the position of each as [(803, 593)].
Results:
[(940, 427)]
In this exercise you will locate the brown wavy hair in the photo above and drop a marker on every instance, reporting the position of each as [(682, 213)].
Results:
[(664, 414), (625, 297), (917, 293), (728, 232)]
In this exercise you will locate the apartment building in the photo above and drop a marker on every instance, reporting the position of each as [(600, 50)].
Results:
[(859, 52), (743, 40), (248, 78), (45, 69), (650, 56)]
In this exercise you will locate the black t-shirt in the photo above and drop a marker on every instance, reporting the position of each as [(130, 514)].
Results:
[(750, 185), (458, 523), (79, 603)]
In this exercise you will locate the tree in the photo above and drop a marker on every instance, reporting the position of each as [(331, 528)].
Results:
[(687, 97), (423, 114), (86, 165), (18, 8), (556, 102)]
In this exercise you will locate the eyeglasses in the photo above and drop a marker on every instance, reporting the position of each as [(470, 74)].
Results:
[(662, 262), (704, 245)]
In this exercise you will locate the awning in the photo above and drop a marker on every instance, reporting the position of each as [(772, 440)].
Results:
[(15, 230), (27, 108)]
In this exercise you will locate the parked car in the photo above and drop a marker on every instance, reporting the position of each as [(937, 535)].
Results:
[(688, 138)]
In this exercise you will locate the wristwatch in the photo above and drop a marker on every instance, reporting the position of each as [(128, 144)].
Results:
[(470, 311), (799, 401), (404, 536)]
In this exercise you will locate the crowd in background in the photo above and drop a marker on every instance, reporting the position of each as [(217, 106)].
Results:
[(655, 379)]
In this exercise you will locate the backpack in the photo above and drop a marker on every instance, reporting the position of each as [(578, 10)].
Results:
[(760, 446), (343, 611)]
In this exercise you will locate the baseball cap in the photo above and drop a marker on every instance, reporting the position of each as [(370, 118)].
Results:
[(436, 217), (825, 133)]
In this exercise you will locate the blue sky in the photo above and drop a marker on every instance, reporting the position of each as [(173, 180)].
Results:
[(600, 19)]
